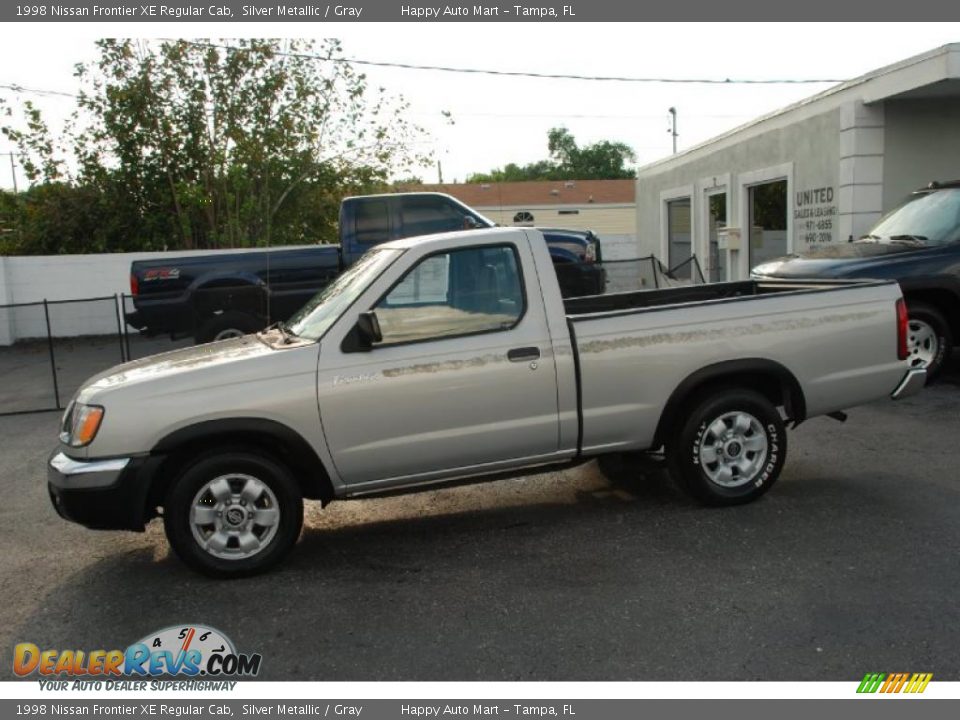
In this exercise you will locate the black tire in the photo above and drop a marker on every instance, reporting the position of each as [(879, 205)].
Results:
[(916, 343), (230, 323), (282, 493), (750, 476)]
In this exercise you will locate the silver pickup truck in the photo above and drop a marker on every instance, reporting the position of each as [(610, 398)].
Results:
[(451, 358)]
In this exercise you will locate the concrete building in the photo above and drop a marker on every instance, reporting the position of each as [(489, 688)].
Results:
[(821, 170)]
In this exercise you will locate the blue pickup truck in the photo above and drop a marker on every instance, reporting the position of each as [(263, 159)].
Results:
[(226, 294)]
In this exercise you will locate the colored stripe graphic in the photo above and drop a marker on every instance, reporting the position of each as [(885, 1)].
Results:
[(871, 682), (918, 683), (894, 683)]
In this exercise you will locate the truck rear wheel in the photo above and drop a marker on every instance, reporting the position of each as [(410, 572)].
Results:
[(228, 324), (730, 449), (233, 514)]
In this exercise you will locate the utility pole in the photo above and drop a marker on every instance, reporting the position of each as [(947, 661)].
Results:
[(13, 172), (439, 173), (16, 194), (673, 128)]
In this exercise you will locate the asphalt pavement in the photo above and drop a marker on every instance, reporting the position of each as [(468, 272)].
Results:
[(848, 565)]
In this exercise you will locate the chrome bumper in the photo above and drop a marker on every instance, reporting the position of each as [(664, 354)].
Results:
[(69, 474), (911, 384)]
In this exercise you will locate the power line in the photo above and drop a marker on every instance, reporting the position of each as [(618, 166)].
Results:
[(17, 88), (588, 116), (541, 76), (36, 91)]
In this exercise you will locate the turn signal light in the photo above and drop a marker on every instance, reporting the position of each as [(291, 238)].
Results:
[(81, 423)]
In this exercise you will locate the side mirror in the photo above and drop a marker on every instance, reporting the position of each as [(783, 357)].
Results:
[(470, 223), (369, 327)]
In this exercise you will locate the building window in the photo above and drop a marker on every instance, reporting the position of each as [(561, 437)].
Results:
[(524, 216), (679, 249)]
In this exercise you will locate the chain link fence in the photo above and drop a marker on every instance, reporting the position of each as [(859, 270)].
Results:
[(49, 348), (648, 273)]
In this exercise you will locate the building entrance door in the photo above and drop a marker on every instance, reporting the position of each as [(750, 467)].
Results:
[(716, 221), (768, 222)]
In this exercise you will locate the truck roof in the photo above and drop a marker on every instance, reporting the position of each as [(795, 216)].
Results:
[(481, 234), (940, 184), (398, 194)]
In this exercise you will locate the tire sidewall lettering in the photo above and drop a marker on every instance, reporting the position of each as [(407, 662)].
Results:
[(774, 453), (695, 450)]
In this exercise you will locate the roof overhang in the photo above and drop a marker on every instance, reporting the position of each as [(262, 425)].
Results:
[(933, 74)]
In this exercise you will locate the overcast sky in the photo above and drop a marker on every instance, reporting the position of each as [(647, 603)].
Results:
[(500, 120)]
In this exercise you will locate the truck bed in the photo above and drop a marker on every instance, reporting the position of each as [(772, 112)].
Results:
[(643, 299), (837, 338)]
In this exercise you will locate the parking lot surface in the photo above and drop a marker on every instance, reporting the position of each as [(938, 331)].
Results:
[(848, 565)]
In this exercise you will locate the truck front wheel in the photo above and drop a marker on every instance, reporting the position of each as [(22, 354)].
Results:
[(730, 448), (929, 340), (233, 514)]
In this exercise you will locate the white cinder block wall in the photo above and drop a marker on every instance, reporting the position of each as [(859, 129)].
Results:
[(6, 317), (32, 279)]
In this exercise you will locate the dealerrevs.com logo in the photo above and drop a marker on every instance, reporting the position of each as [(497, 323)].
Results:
[(180, 651), (891, 683)]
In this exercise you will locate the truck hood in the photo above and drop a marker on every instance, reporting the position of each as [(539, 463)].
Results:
[(834, 260), (165, 366)]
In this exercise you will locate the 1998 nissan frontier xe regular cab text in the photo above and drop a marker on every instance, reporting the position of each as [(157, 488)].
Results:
[(453, 357)]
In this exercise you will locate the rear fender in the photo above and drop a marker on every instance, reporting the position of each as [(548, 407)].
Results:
[(768, 377)]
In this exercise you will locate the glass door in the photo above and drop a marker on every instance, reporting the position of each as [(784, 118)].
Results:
[(768, 222), (716, 221), (679, 245)]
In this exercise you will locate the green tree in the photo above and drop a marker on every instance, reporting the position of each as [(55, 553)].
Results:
[(604, 160), (202, 145), (9, 222)]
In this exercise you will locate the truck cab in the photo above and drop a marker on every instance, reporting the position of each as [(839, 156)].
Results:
[(369, 220)]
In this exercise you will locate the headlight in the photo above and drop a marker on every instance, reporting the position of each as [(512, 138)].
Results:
[(591, 252), (80, 424)]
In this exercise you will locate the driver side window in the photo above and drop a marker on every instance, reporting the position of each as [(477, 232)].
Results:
[(461, 292)]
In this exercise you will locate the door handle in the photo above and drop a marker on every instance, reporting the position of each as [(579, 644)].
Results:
[(523, 354)]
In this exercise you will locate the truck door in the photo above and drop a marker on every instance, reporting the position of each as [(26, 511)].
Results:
[(463, 377)]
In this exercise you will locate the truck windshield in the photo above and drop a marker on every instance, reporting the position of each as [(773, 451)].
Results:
[(931, 218), (314, 319)]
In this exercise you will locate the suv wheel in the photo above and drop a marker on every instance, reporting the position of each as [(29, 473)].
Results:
[(928, 339), (730, 449), (233, 514)]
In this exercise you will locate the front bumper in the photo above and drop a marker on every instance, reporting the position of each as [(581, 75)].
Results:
[(101, 494), (912, 383)]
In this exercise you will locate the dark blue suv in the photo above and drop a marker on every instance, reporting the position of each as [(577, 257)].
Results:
[(917, 244)]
